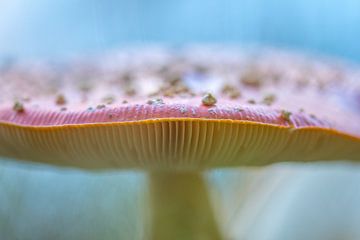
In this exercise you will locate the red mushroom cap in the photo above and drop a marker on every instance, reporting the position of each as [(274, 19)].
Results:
[(190, 109)]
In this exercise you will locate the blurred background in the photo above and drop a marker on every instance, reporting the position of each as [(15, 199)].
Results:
[(279, 202), (53, 28)]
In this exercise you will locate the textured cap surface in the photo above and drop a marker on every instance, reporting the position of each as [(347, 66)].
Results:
[(198, 108)]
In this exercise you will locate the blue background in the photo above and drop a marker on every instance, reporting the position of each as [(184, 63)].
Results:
[(53, 28)]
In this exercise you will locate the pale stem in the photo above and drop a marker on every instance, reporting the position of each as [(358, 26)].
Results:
[(180, 207)]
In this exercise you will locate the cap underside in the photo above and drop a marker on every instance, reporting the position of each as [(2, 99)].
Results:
[(179, 144)]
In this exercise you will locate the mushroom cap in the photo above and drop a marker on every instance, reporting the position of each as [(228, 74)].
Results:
[(197, 108)]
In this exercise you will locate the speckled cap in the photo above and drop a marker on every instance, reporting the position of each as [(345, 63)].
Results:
[(195, 108)]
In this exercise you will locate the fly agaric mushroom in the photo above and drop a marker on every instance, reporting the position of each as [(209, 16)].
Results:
[(176, 115)]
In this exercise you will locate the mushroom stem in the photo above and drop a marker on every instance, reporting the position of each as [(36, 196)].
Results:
[(180, 207)]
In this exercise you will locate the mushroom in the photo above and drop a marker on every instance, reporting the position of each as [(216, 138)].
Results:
[(299, 110)]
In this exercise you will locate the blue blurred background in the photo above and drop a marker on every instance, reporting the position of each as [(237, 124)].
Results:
[(286, 201), (53, 28)]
